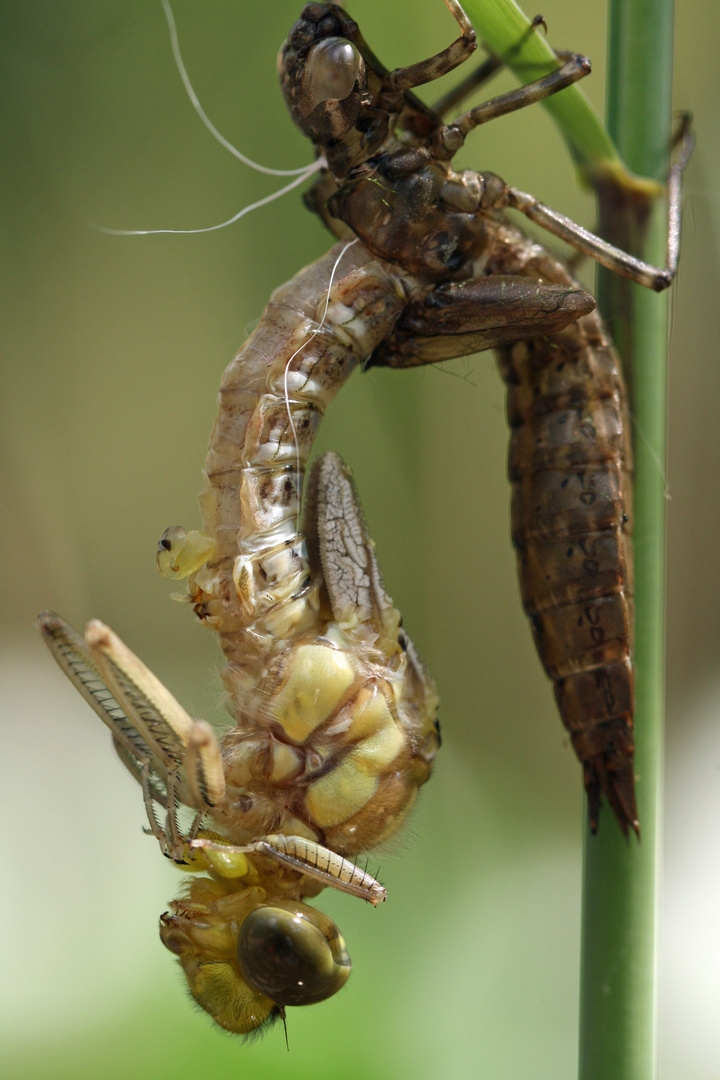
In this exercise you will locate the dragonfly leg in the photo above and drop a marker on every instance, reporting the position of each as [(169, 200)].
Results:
[(425, 71), (468, 85), (176, 846), (606, 254), (298, 853), (203, 765), (195, 827), (155, 828), (172, 843), (484, 73), (448, 139), (459, 318)]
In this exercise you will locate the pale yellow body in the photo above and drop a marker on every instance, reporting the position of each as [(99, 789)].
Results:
[(333, 713)]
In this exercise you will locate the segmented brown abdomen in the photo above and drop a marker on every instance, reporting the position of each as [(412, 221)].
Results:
[(570, 464), (334, 714), (272, 398)]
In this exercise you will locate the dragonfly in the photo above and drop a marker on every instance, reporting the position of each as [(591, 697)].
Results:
[(334, 713), (389, 180)]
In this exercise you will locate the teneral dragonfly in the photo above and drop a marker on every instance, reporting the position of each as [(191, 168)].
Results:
[(389, 180), (334, 715)]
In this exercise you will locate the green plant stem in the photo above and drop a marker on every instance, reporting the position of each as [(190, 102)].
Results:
[(502, 28), (618, 1006)]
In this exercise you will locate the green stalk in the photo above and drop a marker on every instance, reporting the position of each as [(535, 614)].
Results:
[(618, 1004), (501, 26)]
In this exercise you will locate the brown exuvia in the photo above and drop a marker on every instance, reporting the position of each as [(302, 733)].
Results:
[(389, 180)]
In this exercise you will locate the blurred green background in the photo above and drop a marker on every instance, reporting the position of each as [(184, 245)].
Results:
[(112, 355)]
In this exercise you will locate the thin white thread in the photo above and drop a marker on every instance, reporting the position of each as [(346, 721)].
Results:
[(654, 456), (315, 167), (182, 70), (304, 345), (300, 174)]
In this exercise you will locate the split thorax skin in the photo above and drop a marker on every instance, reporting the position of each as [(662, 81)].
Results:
[(397, 189), (334, 716)]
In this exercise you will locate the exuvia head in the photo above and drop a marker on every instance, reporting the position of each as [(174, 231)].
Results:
[(323, 72)]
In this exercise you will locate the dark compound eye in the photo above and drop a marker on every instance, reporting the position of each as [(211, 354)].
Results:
[(331, 72), (293, 954)]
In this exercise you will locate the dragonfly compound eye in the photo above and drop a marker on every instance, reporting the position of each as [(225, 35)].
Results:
[(293, 954), (331, 72)]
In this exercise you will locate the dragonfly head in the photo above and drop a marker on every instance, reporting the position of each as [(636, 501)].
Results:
[(293, 953), (336, 88), (322, 73), (246, 957)]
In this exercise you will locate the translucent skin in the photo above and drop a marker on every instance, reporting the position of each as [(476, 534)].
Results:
[(334, 712), (390, 181)]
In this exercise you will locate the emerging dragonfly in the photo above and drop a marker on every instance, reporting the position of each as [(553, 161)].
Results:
[(334, 713), (389, 180)]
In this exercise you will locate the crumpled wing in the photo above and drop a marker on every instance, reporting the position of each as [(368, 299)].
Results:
[(340, 545)]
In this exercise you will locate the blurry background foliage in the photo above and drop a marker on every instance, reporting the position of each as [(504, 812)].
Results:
[(112, 355)]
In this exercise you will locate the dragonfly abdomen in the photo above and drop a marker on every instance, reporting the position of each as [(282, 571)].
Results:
[(335, 714), (272, 397), (569, 464)]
